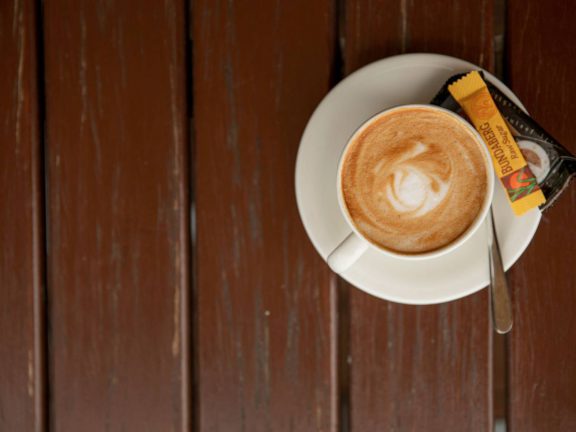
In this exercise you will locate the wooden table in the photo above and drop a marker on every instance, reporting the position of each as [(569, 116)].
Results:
[(154, 273)]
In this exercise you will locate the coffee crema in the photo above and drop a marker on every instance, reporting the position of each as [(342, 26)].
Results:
[(414, 180)]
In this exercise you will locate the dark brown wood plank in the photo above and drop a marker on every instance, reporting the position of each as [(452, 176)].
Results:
[(460, 28), (21, 214), (419, 368), (118, 215), (542, 66), (265, 298)]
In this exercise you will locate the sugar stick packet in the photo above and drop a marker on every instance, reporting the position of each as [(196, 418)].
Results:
[(553, 164), (511, 168)]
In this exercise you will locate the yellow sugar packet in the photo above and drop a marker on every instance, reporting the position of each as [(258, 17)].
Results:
[(518, 180)]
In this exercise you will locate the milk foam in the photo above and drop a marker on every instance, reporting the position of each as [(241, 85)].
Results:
[(411, 190), (414, 180)]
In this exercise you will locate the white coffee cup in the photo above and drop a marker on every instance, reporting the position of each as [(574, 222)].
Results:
[(356, 244)]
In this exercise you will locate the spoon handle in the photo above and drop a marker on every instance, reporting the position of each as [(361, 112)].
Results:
[(499, 292)]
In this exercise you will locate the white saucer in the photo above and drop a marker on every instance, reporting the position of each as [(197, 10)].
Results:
[(405, 79)]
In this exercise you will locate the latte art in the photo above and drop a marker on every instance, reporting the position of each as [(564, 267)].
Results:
[(415, 183), (414, 180)]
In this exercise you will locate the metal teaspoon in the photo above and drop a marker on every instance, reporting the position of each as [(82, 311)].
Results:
[(499, 292)]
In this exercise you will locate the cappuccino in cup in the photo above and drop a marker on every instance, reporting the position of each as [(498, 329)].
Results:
[(415, 180)]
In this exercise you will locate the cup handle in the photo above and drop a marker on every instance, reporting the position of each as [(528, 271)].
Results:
[(347, 253)]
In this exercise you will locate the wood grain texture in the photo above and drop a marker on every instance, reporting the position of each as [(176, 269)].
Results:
[(542, 66), (265, 298), (118, 212), (419, 368), (21, 237), (374, 30)]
